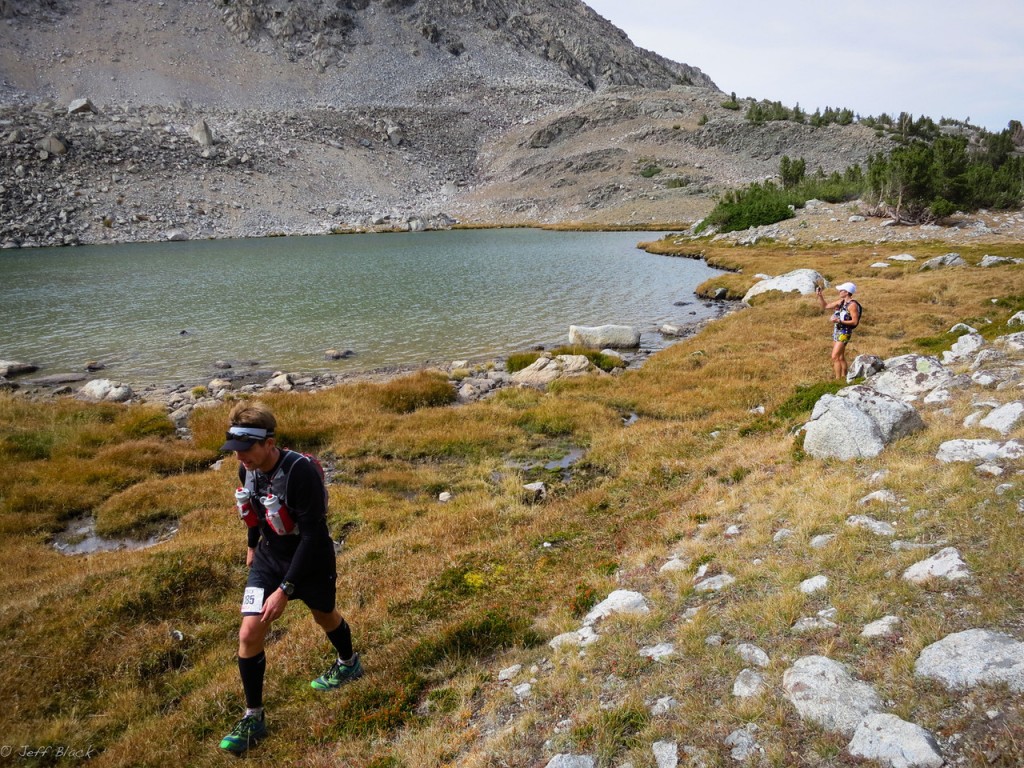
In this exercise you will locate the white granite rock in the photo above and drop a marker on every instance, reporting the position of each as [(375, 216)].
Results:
[(893, 742), (824, 692), (619, 601), (974, 657), (945, 564)]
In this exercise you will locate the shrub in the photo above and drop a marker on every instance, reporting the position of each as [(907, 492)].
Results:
[(424, 389), (731, 102), (145, 421), (163, 457), (583, 600), (924, 181), (792, 171), (735, 285), (754, 206), (650, 170), (796, 407), (378, 709)]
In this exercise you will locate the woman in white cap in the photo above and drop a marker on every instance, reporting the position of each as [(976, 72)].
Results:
[(845, 317)]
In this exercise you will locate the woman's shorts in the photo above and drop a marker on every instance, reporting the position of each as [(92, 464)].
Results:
[(842, 335)]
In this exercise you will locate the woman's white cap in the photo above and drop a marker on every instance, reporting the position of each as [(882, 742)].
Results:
[(848, 287)]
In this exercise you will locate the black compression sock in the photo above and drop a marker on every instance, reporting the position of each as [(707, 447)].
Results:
[(341, 639), (252, 670)]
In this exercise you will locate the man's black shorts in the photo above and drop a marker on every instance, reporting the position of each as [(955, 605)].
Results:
[(317, 589)]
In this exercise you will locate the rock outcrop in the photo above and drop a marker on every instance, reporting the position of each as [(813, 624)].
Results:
[(858, 422)]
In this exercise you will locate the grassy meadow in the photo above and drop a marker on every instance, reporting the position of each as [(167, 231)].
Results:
[(129, 657)]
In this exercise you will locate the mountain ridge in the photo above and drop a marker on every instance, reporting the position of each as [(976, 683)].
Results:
[(357, 116)]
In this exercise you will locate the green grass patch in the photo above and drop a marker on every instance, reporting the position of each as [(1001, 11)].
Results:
[(27, 444), (517, 361), (611, 731), (474, 638), (167, 585), (795, 408), (424, 389)]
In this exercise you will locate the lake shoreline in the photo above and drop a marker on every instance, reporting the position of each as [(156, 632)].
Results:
[(181, 398), (181, 315)]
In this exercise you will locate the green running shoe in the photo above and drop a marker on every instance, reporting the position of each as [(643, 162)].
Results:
[(338, 675), (248, 733)]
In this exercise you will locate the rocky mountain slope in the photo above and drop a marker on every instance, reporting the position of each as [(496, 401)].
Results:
[(354, 115)]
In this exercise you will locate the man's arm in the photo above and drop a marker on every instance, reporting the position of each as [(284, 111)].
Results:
[(306, 502)]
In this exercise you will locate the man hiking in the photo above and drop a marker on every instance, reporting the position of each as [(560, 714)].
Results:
[(282, 499)]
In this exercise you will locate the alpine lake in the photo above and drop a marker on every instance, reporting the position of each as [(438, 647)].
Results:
[(167, 312)]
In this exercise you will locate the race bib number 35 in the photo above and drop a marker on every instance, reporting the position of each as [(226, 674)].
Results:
[(252, 600)]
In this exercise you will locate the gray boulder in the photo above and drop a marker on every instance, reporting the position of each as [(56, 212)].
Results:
[(666, 754), (858, 422), (824, 692), (891, 741), (995, 261), (908, 376), (715, 583), (945, 564), (864, 366), (743, 744), (946, 260), (106, 390), (963, 348), (883, 627), (752, 654), (877, 527), (974, 657), (80, 106), (979, 450), (748, 684), (10, 368), (53, 145), (1004, 418), (281, 382), (534, 493), (802, 281), (600, 336), (571, 761), (619, 601), (545, 370), (1014, 342), (200, 134)]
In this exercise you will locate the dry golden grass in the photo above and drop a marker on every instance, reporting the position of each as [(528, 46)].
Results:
[(441, 596)]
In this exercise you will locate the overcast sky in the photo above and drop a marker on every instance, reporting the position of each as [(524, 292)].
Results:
[(940, 58)]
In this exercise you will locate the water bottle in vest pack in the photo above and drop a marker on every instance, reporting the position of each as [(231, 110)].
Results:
[(277, 515), (243, 504)]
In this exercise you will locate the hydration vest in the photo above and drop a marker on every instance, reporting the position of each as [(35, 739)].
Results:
[(278, 481), (842, 316)]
